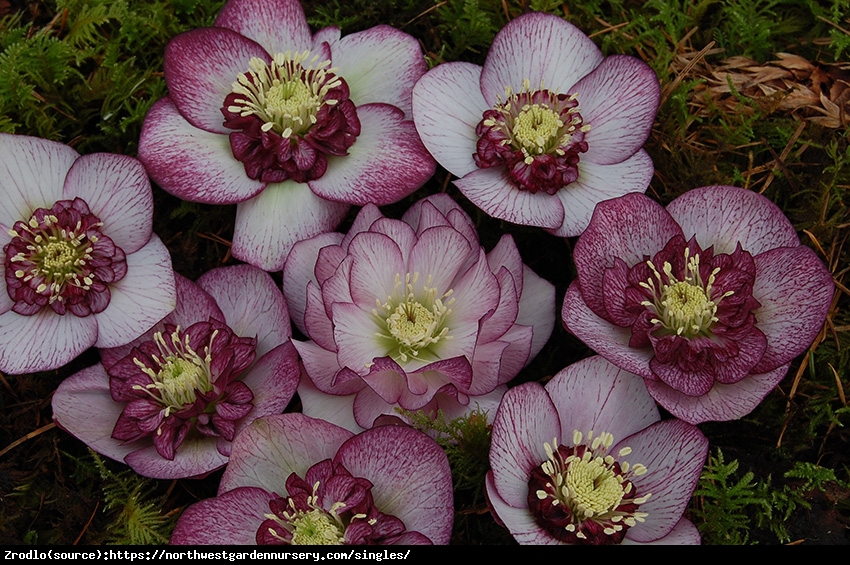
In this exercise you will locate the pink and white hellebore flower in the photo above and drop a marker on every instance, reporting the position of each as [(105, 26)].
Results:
[(546, 129), (294, 480), (81, 263), (412, 313), (709, 300), (170, 403), (294, 127), (586, 460)]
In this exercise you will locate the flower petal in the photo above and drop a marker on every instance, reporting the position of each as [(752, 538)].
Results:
[(191, 163), (201, 66), (410, 476), (279, 26), (593, 394), (83, 407), (232, 518), (252, 304), (618, 100), (722, 403), (674, 453), (795, 291), (629, 228), (272, 380), (338, 410), (380, 64), (597, 183), (117, 190), (492, 191), (537, 309), (541, 48), (518, 520), (269, 224), (299, 270), (685, 533), (526, 419), (140, 299), (724, 216), (447, 106), (272, 448), (196, 457), (32, 174), (43, 341), (386, 163), (377, 261)]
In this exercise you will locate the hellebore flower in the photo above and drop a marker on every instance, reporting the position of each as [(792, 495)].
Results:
[(412, 313), (170, 403), (546, 129), (586, 460), (293, 127), (82, 265), (708, 300), (295, 480)]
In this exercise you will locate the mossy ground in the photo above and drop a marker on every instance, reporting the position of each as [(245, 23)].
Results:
[(84, 72)]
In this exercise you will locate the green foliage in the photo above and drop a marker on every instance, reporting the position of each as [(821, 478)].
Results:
[(468, 25), (138, 519)]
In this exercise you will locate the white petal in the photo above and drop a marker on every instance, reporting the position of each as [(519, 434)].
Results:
[(43, 341)]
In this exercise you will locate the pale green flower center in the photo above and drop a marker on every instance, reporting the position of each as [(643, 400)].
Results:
[(286, 94), (180, 373), (594, 485), (537, 128), (413, 319), (683, 307), (317, 527), (59, 255)]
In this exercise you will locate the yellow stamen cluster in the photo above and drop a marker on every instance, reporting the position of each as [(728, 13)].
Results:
[(683, 307), (315, 526), (180, 372), (414, 319), (56, 254), (590, 486), (286, 94)]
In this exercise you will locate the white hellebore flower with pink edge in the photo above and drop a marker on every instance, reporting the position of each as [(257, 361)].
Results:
[(412, 313), (82, 265), (546, 129), (585, 460), (294, 127)]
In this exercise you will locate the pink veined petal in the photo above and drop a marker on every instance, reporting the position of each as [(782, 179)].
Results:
[(492, 191), (354, 332), (272, 448), (386, 163), (317, 325), (629, 228), (377, 261), (43, 341), (117, 190), (506, 254), (321, 366), (232, 518), (795, 291), (593, 394), (83, 407), (537, 309), (504, 316), (674, 453), (487, 404), (6, 303), (140, 299), (329, 35), (722, 402), (191, 163), (723, 216), (201, 66), (541, 48), (32, 174), (410, 475), (526, 419), (476, 294), (252, 304), (338, 410), (597, 183), (272, 380), (438, 255), (517, 519), (618, 100), (610, 341), (368, 215), (196, 457), (380, 64), (269, 224), (277, 25), (440, 210), (401, 233), (447, 106), (684, 533), (299, 270)]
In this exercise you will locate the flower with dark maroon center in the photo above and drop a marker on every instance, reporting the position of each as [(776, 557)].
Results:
[(289, 114), (60, 258), (536, 135), (183, 381)]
